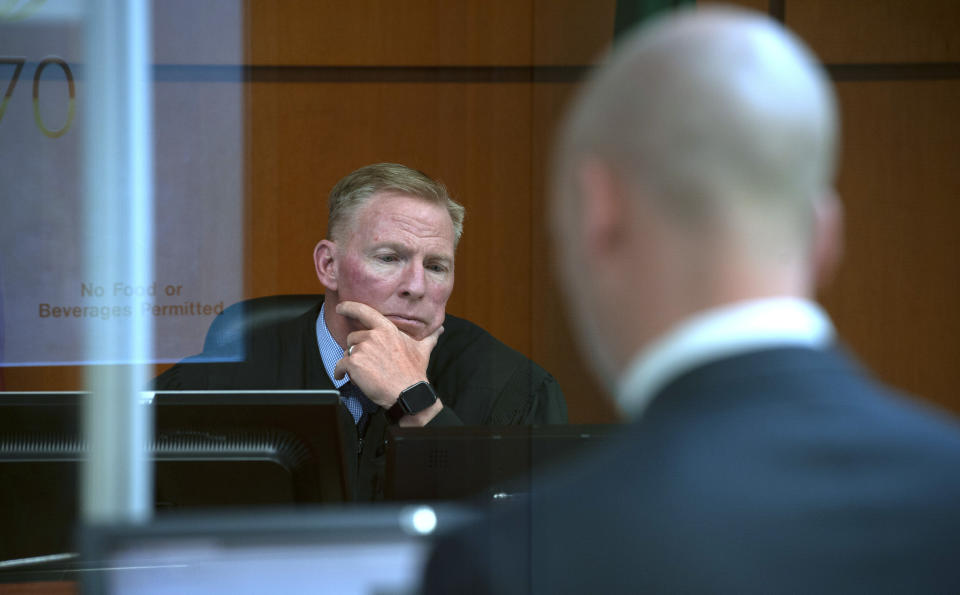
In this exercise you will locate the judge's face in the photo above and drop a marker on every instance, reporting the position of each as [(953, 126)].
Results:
[(398, 259)]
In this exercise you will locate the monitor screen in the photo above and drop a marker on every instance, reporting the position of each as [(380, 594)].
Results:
[(211, 449)]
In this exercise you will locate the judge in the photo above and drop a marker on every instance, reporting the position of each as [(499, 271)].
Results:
[(381, 334)]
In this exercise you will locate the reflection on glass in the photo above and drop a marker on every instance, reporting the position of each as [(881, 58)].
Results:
[(47, 297)]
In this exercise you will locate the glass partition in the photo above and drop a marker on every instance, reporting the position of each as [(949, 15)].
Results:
[(121, 235), (48, 297)]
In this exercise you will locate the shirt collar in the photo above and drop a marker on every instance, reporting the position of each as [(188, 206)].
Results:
[(330, 350), (721, 332)]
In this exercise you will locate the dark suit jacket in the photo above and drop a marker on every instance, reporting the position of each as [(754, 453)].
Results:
[(480, 380), (780, 471)]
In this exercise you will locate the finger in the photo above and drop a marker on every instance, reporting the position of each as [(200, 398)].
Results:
[(363, 314), (357, 337), (340, 370)]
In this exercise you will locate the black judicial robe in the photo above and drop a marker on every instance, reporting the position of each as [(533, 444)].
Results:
[(480, 380)]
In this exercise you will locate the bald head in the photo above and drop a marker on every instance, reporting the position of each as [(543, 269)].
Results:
[(695, 169), (717, 113)]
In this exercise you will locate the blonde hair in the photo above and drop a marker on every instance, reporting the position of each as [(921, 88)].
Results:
[(356, 188)]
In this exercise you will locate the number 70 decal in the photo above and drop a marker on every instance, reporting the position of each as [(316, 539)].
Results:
[(18, 63)]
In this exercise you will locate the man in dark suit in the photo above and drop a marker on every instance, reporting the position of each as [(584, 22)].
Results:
[(381, 334), (694, 216)]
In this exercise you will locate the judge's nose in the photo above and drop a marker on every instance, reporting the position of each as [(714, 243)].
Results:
[(414, 282)]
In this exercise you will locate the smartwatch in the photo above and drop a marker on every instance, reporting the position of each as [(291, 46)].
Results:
[(414, 399)]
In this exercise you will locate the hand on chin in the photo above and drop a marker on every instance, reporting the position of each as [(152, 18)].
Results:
[(382, 357)]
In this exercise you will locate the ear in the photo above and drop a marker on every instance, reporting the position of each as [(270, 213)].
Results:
[(325, 262), (604, 209), (827, 238)]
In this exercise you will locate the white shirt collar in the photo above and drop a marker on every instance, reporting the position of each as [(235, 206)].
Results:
[(716, 333)]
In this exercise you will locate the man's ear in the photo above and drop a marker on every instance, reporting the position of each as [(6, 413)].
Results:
[(604, 210), (827, 238), (325, 262)]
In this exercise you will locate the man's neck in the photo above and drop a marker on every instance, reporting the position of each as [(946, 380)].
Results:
[(712, 286), (720, 332)]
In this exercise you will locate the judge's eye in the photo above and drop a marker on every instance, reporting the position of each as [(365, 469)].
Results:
[(387, 258), (437, 268)]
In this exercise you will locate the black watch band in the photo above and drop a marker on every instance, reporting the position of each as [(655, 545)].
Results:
[(414, 399)]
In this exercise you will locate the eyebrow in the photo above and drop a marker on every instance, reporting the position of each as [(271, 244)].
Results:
[(403, 249)]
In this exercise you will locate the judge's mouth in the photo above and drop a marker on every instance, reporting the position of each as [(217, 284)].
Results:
[(403, 321)]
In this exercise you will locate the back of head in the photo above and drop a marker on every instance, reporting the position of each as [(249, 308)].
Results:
[(720, 114), (354, 189)]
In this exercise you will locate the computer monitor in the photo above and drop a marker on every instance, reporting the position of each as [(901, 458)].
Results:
[(211, 449)]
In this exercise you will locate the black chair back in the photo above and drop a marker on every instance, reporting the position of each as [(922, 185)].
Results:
[(228, 330)]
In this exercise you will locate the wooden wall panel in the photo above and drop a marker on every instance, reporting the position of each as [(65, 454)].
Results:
[(571, 32), (566, 33), (896, 296), (758, 5), (473, 136), (846, 31), (389, 33), (42, 378), (553, 343)]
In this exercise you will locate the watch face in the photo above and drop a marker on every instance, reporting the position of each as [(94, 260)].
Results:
[(418, 397)]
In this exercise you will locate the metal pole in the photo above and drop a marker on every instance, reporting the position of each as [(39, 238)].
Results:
[(118, 167)]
